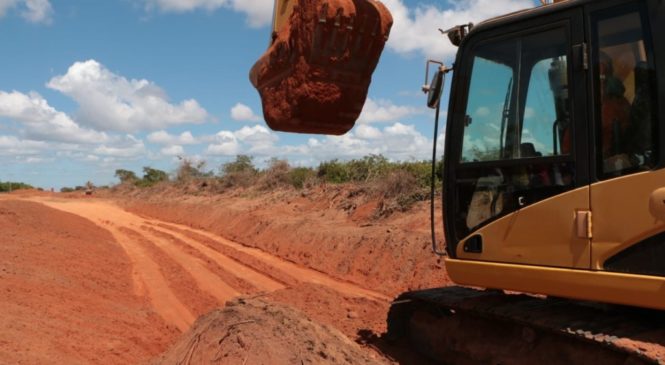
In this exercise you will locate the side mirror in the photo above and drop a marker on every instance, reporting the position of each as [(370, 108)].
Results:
[(435, 89)]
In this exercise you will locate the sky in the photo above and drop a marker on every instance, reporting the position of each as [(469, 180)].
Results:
[(88, 87)]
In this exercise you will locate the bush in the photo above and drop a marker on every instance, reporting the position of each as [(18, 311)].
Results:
[(240, 172), (151, 177), (11, 186), (277, 174), (126, 176), (188, 170), (299, 176), (333, 172), (367, 168), (66, 190)]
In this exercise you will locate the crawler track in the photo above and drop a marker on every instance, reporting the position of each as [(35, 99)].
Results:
[(465, 326)]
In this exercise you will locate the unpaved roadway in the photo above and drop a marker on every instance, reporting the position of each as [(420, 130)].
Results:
[(180, 272)]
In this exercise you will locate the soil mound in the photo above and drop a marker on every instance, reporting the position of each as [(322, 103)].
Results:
[(253, 331)]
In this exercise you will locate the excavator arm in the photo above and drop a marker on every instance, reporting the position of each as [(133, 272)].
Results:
[(315, 75)]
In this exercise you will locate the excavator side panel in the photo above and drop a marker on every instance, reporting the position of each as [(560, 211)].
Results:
[(545, 233)]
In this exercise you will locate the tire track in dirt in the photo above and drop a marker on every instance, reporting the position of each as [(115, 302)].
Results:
[(237, 282), (149, 279), (204, 278), (300, 273), (180, 243), (180, 281), (258, 280)]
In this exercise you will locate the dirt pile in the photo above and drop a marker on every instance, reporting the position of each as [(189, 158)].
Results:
[(315, 75), (253, 331)]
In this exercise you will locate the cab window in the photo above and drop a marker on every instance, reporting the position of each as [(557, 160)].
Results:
[(624, 76), (516, 147)]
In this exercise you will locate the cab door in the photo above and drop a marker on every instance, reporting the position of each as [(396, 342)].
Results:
[(519, 160), (628, 154)]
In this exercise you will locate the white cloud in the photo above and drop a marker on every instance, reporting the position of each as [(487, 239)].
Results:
[(258, 12), (364, 131), (175, 150), (12, 145), (34, 11), (416, 29), (129, 147), (242, 112), (377, 111), (164, 138), (44, 122), (111, 102), (256, 140), (225, 144)]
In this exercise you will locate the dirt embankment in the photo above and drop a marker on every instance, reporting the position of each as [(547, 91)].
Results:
[(329, 229), (67, 294)]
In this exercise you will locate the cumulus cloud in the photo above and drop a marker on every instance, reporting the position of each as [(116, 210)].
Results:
[(377, 111), (110, 102), (163, 137), (42, 121), (174, 150), (243, 113), (34, 11), (256, 140), (416, 29), (397, 141), (12, 145), (128, 147), (225, 144), (258, 12)]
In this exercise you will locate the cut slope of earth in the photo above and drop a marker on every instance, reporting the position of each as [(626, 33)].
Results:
[(176, 272), (329, 229), (67, 295)]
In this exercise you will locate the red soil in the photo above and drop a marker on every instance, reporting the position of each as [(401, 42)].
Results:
[(67, 293)]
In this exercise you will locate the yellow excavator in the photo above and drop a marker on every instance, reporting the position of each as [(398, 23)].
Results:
[(554, 178)]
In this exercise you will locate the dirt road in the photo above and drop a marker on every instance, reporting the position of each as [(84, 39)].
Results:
[(177, 272)]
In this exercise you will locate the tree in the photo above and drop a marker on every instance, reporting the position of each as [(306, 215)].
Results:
[(126, 176), (189, 169), (153, 176), (242, 164)]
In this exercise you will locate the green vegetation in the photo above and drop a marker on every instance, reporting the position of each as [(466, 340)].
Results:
[(400, 184), (8, 186)]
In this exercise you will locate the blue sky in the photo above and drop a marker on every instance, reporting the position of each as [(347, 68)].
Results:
[(87, 87)]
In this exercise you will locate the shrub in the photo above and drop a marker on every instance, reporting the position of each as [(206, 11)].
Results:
[(151, 177), (189, 169), (333, 172), (66, 190), (11, 186), (277, 174), (240, 172), (299, 176), (126, 176), (367, 168)]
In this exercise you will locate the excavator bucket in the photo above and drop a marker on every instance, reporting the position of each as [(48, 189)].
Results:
[(315, 75)]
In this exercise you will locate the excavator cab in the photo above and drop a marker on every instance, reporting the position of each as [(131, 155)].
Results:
[(553, 165)]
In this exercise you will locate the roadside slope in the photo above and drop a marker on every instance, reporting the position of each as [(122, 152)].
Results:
[(68, 294)]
